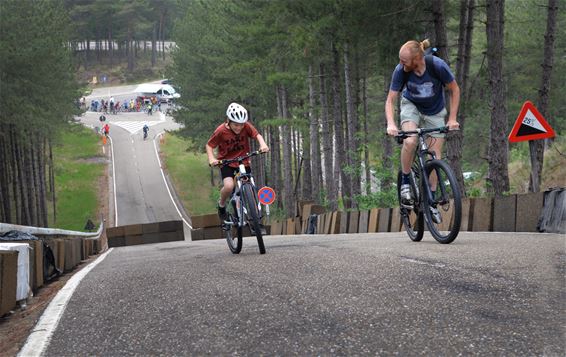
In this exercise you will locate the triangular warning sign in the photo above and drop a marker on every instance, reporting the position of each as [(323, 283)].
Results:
[(530, 125)]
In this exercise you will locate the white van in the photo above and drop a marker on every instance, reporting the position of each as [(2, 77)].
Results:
[(164, 92)]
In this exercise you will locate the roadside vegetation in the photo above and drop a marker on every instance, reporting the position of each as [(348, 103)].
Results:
[(190, 174), (79, 165)]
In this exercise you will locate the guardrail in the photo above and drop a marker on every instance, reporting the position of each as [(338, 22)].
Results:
[(514, 213), (69, 249)]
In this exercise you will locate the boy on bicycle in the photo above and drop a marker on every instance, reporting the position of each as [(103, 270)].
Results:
[(422, 105), (231, 138)]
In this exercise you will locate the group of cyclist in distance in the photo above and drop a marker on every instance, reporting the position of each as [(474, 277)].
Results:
[(421, 78)]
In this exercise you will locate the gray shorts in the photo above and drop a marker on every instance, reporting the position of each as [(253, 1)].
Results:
[(409, 112)]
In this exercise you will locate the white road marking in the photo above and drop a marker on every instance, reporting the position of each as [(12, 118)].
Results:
[(165, 181), (114, 182), (135, 126), (39, 338)]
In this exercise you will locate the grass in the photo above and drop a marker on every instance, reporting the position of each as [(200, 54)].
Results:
[(553, 171), (191, 176), (76, 179)]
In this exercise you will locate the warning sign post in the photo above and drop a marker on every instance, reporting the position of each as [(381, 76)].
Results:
[(530, 125)]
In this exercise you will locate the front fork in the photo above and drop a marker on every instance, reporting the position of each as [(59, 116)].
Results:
[(423, 152)]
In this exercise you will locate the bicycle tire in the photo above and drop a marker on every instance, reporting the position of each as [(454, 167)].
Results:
[(250, 202), (234, 236), (448, 202), (412, 219)]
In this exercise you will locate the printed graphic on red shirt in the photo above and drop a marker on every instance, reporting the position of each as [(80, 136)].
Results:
[(230, 144)]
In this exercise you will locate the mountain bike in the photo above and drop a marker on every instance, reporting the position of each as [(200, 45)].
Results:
[(243, 209), (440, 209)]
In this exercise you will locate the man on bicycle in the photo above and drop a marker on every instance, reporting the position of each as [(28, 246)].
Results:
[(422, 100), (232, 140), (145, 130)]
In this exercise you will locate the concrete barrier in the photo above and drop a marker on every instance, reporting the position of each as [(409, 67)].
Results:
[(290, 226), (335, 223), (344, 218), (148, 233), (529, 207), (354, 220), (384, 220), (327, 222), (504, 213), (482, 216), (205, 221), (465, 223), (8, 280), (395, 220), (363, 222), (197, 234), (553, 215), (373, 219)]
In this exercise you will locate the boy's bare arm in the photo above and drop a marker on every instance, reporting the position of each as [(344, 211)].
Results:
[(211, 158), (262, 145)]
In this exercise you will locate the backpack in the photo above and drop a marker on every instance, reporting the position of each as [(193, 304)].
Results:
[(429, 67)]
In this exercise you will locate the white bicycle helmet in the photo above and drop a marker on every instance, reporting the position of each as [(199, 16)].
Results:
[(237, 113)]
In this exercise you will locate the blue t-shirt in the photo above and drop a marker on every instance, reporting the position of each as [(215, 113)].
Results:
[(425, 92)]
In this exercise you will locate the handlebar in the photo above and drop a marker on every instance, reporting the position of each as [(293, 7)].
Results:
[(402, 135), (240, 158)]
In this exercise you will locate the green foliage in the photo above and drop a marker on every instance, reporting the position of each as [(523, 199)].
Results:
[(77, 171), (191, 175), (380, 199), (37, 85)]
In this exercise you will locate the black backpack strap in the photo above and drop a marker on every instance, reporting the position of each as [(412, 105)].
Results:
[(431, 68)]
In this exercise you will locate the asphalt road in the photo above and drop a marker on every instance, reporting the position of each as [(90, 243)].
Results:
[(366, 294), (141, 194), (362, 294)]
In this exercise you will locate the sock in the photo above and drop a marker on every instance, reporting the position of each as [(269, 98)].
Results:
[(405, 179), (221, 206)]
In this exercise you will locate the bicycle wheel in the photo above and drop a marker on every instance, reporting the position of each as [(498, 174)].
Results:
[(412, 218), (233, 232), (251, 203), (444, 214)]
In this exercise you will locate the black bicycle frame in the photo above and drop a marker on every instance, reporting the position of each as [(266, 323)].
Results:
[(422, 152)]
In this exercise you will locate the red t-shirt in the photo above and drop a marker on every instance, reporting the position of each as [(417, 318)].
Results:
[(231, 145)]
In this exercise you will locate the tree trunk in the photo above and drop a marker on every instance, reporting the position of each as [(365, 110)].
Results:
[(5, 179), (455, 139), (328, 185), (386, 161), (339, 137), (498, 176), (130, 44), (352, 123), (440, 30), (316, 170), (288, 199), (25, 214), (52, 182), (366, 139), (536, 147), (110, 42), (306, 186), (153, 46), (161, 34)]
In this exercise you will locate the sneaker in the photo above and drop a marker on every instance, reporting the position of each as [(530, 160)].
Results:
[(436, 217), (222, 213), (407, 199)]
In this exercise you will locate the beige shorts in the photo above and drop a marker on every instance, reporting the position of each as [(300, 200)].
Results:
[(409, 112)]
